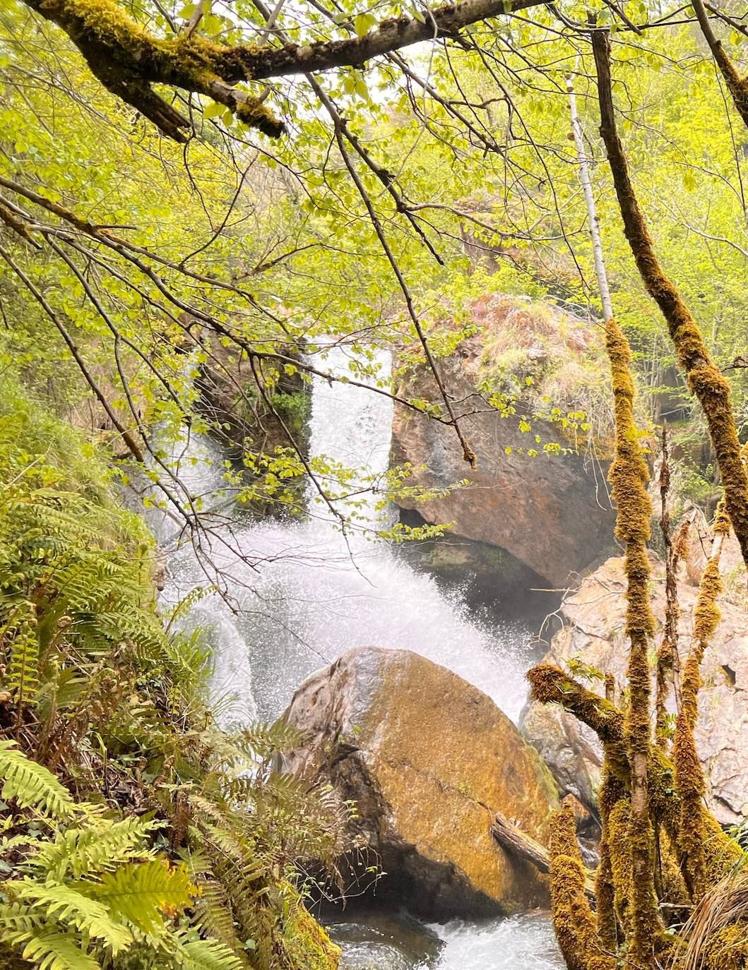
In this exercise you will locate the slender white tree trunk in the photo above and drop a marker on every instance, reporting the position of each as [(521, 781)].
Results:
[(594, 223)]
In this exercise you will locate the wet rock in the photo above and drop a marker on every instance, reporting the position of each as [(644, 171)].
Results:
[(231, 398), (550, 511), (594, 617), (428, 759), (569, 748)]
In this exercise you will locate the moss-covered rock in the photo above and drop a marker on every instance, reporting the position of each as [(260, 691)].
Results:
[(526, 382), (428, 759), (307, 945)]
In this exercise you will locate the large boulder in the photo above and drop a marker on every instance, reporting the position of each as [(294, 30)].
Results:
[(537, 490), (428, 759), (593, 643)]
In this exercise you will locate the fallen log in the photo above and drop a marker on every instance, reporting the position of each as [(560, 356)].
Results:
[(518, 843)]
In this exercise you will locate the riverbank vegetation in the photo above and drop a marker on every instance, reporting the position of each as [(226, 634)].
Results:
[(135, 832), (195, 201)]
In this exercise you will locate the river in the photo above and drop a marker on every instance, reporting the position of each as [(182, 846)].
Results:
[(300, 594)]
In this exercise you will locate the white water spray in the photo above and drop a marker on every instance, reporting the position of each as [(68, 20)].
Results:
[(318, 593)]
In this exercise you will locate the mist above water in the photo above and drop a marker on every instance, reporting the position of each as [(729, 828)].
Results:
[(317, 593)]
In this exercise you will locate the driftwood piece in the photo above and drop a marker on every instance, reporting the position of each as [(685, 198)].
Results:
[(519, 844)]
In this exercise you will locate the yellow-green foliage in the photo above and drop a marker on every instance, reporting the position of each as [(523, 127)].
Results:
[(306, 942), (542, 361), (728, 949)]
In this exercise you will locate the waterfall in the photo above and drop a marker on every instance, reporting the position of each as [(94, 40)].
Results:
[(317, 593)]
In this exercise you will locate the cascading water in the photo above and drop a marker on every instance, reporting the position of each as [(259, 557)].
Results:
[(302, 593)]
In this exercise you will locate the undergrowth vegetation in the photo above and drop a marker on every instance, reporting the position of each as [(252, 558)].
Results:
[(135, 834)]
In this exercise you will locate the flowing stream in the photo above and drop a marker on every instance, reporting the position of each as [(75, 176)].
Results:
[(301, 594)]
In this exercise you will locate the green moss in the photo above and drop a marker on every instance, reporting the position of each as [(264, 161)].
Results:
[(689, 772), (628, 477), (573, 919), (128, 59), (612, 794), (728, 949), (306, 944)]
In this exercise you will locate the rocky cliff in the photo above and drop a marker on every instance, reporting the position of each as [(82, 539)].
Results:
[(537, 490)]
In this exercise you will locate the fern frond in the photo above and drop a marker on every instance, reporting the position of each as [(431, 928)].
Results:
[(99, 847), (22, 676), (143, 893), (264, 740), (65, 905), (31, 784), (206, 955), (17, 918), (214, 913), (52, 951)]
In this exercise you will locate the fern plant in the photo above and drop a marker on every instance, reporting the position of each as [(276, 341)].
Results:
[(101, 700), (91, 886)]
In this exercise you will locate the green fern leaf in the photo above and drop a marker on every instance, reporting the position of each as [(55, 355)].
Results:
[(206, 955), (214, 913), (22, 676), (143, 893), (52, 951), (100, 847), (63, 904), (17, 918), (31, 784)]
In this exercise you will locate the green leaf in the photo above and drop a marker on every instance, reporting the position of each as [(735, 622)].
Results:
[(213, 110), (55, 951), (363, 23), (143, 893), (64, 904), (31, 784)]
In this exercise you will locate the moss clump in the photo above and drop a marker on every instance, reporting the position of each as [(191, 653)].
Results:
[(573, 918), (628, 477), (128, 60), (620, 862), (612, 794), (549, 684), (307, 945), (689, 773)]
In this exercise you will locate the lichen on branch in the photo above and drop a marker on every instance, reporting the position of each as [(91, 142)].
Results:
[(129, 61)]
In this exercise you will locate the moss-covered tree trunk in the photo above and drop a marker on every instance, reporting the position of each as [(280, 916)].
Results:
[(706, 381)]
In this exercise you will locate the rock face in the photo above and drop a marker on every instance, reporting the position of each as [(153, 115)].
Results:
[(549, 511), (230, 396), (428, 759), (594, 616)]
